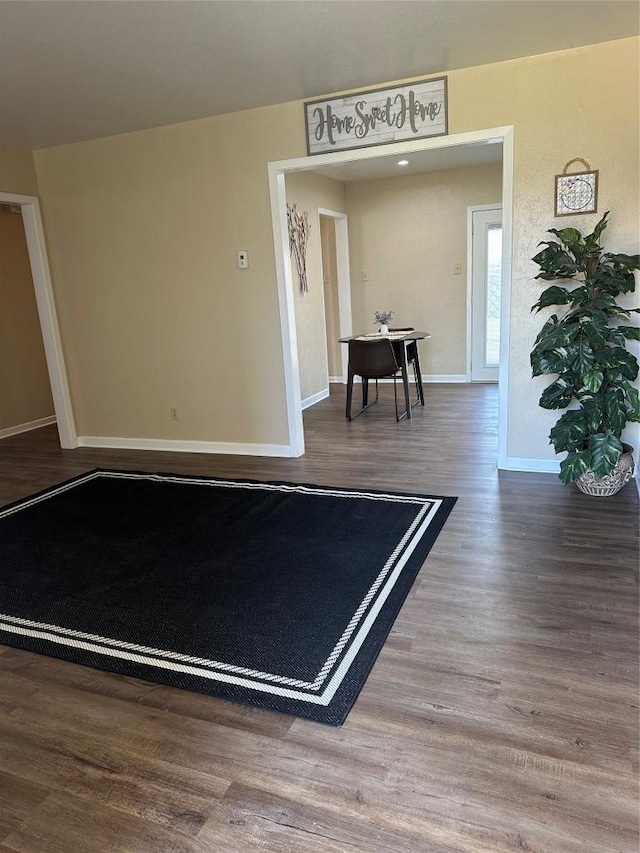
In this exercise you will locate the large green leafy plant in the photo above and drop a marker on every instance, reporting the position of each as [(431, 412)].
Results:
[(586, 347)]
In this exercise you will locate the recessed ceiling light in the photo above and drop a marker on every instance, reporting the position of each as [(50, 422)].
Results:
[(403, 162)]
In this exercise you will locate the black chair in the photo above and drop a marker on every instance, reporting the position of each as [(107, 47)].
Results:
[(373, 359), (413, 359)]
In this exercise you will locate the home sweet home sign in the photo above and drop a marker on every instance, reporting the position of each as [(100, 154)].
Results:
[(377, 117)]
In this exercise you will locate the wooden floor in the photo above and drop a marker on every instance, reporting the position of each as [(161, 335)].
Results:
[(501, 715)]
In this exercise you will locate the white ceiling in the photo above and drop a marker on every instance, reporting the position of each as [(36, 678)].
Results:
[(387, 166), (72, 70)]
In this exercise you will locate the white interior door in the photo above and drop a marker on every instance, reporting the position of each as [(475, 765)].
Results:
[(486, 291)]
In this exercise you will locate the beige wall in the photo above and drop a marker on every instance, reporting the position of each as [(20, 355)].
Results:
[(143, 230), (407, 233), (310, 192), (17, 172), (25, 393), (575, 103)]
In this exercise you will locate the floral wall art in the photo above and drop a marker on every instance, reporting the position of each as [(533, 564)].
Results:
[(299, 230)]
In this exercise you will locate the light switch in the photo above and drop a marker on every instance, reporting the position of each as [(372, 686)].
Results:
[(364, 276), (243, 259), (457, 269)]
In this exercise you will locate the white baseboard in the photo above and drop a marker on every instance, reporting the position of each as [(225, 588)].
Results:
[(337, 380), (228, 448), (315, 398), (431, 378), (16, 430), (543, 466), (444, 377)]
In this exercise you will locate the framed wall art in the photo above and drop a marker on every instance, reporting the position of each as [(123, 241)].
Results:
[(576, 192)]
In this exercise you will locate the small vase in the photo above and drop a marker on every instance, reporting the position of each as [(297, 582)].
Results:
[(384, 329)]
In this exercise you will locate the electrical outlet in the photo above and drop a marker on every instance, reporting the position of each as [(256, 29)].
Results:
[(242, 258), (364, 276), (457, 269), (174, 414)]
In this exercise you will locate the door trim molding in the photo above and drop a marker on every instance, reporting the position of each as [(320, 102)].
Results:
[(344, 278), (46, 305), (473, 208), (276, 172)]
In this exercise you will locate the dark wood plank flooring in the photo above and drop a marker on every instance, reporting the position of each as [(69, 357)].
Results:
[(501, 715)]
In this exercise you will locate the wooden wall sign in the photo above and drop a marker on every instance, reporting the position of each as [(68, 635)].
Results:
[(377, 117)]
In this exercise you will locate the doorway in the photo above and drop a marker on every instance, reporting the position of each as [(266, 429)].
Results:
[(330, 288), (484, 297), (334, 238), (25, 392), (45, 303), (277, 171)]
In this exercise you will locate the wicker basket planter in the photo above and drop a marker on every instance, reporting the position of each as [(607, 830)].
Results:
[(610, 484)]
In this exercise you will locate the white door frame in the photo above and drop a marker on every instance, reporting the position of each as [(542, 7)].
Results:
[(45, 302), (470, 211), (277, 170), (344, 278)]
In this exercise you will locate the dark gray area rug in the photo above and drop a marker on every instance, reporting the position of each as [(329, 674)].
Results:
[(278, 595)]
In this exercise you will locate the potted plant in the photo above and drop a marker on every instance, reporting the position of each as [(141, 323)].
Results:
[(586, 349), (383, 317)]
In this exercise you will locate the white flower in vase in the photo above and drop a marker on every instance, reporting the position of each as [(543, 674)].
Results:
[(383, 318)]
